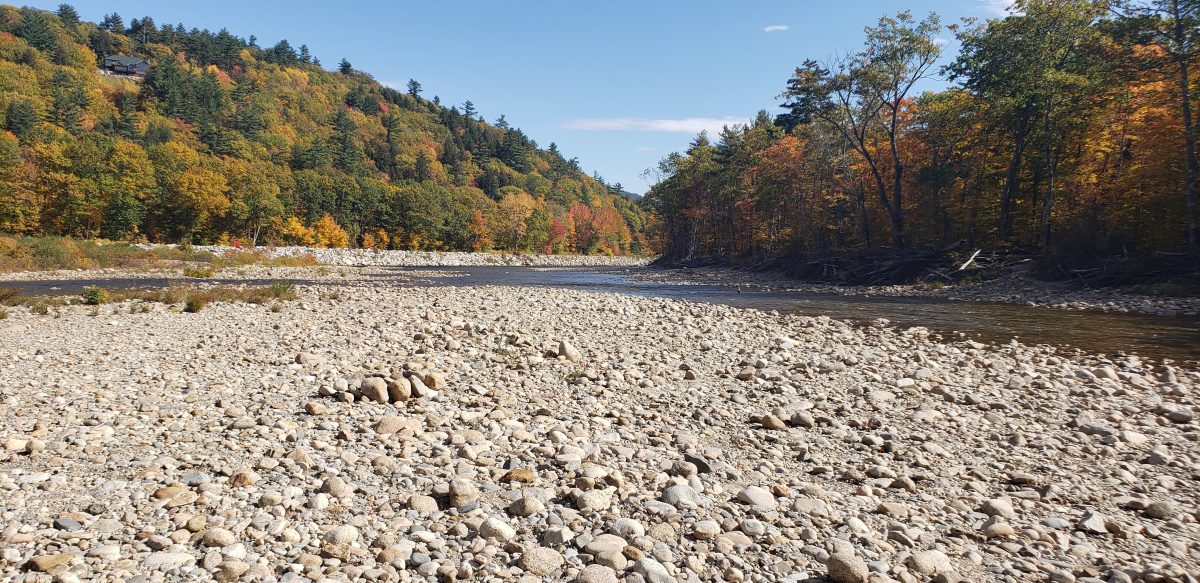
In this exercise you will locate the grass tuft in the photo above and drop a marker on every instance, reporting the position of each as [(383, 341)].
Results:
[(95, 296)]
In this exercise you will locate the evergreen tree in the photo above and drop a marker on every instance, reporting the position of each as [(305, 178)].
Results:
[(469, 109), (414, 88), (114, 23), (20, 117), (68, 15), (344, 67), (305, 56)]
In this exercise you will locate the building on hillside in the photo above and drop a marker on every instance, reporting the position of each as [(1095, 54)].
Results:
[(126, 65)]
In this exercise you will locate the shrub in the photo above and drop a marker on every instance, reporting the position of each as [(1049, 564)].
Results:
[(198, 272), (9, 296), (40, 308), (196, 302), (94, 296)]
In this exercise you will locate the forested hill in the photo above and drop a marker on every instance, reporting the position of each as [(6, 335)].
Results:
[(1066, 134), (224, 139)]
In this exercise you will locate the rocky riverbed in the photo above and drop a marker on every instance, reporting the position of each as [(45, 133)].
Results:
[(390, 258), (521, 434), (1016, 287)]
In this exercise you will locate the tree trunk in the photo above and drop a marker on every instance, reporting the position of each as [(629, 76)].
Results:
[(1012, 178), (1193, 237)]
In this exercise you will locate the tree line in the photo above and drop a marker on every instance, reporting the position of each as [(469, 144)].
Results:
[(1066, 131), (227, 140)]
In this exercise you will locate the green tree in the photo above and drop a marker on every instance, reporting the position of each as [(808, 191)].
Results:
[(865, 96), (344, 67), (414, 88), (20, 116), (68, 15)]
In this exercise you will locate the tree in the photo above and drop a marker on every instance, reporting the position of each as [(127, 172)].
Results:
[(68, 15), (1174, 26), (113, 22), (1016, 66), (344, 67), (469, 109), (330, 234), (20, 117), (477, 232), (414, 88), (865, 95), (305, 55)]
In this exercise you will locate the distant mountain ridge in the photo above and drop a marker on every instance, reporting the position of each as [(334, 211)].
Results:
[(224, 139)]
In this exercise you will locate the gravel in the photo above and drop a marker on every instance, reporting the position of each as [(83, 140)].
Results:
[(555, 434)]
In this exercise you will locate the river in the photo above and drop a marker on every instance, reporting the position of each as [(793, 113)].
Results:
[(1156, 337)]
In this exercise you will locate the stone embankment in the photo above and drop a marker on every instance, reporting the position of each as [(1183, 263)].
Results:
[(502, 434)]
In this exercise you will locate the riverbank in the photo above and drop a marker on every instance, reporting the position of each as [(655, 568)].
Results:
[(390, 258), (468, 433), (1015, 287)]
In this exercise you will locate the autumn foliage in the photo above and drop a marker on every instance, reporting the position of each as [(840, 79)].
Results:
[(1062, 135), (228, 140)]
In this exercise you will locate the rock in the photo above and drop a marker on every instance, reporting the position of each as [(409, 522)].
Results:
[(930, 562), (627, 528), (393, 424), (706, 530), (315, 408), (462, 493), (218, 537), (542, 561), (1001, 507), (49, 563), (399, 390), (167, 561), (309, 358), (519, 475), (681, 496), (772, 422), (1093, 522), (596, 574), (422, 504), (568, 351), (846, 568), (498, 529), (652, 570), (337, 487), (341, 535), (757, 497), (594, 500), (1159, 510), (525, 506), (375, 389)]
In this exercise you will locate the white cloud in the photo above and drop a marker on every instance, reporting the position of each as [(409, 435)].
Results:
[(998, 7), (687, 125), (776, 28)]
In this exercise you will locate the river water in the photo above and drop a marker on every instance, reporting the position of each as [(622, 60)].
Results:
[(1156, 337)]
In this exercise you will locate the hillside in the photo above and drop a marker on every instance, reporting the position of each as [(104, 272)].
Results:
[(224, 140)]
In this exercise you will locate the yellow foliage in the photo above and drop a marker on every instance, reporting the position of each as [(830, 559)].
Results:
[(293, 232), (330, 234)]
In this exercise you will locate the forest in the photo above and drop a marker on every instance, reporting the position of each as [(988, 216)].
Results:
[(227, 141), (1062, 132)]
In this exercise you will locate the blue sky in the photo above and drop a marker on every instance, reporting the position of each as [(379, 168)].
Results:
[(617, 83)]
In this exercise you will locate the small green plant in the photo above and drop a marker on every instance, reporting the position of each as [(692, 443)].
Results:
[(276, 308), (283, 290), (9, 296), (94, 296), (198, 272), (40, 308), (3, 314)]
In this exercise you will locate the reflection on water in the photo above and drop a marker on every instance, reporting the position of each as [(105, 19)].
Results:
[(1156, 337)]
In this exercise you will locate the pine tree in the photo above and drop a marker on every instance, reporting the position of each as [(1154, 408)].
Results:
[(20, 117), (68, 15), (305, 56), (414, 88), (344, 67)]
